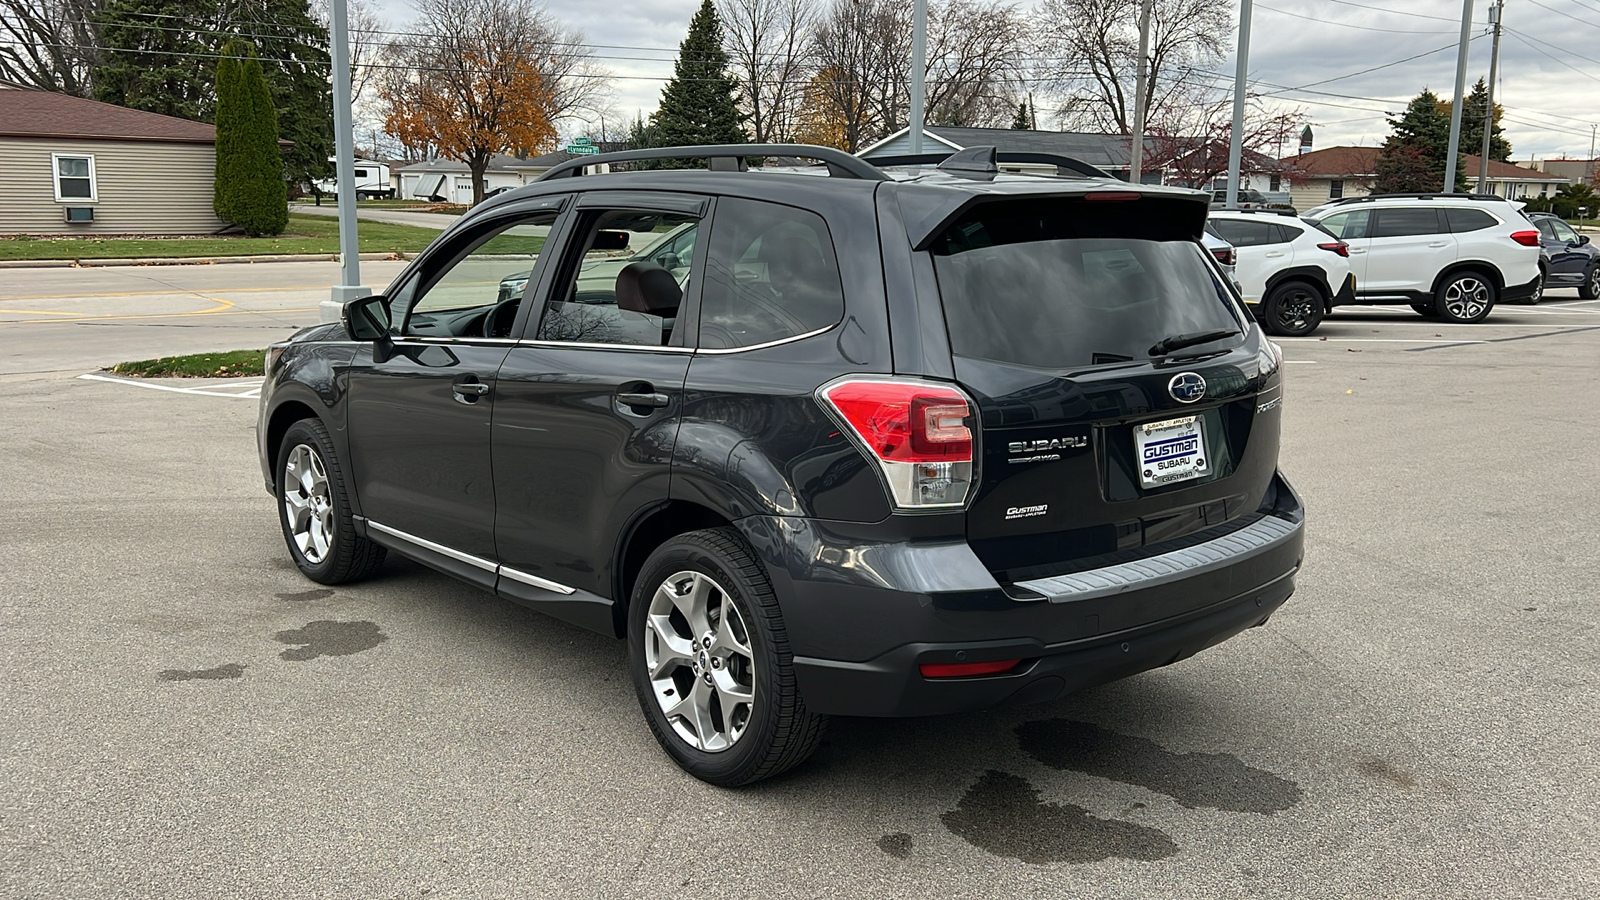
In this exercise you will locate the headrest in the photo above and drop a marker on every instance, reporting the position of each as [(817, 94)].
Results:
[(644, 287)]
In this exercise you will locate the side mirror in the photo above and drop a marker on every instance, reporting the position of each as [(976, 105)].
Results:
[(1583, 239), (367, 320)]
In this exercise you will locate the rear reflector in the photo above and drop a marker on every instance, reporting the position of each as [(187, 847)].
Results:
[(1339, 247), (1526, 238), (967, 670), (917, 431)]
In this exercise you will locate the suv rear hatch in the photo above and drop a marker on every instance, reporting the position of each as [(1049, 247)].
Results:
[(1126, 406)]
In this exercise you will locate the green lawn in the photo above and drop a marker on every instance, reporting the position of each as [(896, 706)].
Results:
[(225, 364), (363, 204), (305, 234)]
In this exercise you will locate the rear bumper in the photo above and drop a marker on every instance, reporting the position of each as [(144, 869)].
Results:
[(1520, 292), (860, 631)]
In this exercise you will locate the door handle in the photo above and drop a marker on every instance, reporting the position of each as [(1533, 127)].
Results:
[(643, 398), (1274, 254), (1437, 244), (1357, 250), (469, 389)]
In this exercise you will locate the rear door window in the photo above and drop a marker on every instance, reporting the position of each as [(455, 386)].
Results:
[(771, 275), (1246, 233), (1464, 220), (1050, 284), (1403, 222)]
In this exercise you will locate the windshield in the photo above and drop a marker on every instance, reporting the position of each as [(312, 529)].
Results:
[(1022, 290)]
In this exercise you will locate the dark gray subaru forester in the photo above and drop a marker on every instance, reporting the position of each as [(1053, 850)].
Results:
[(853, 439)]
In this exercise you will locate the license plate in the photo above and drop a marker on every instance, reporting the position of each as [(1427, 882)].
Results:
[(1170, 451)]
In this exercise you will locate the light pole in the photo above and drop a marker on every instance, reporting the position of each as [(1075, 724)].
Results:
[(1461, 89), (919, 60), (1495, 13), (1136, 151), (1236, 139), (344, 169)]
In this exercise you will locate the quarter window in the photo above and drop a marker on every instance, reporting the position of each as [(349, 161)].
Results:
[(1464, 220), (771, 274), (1247, 234), (74, 177), (625, 281)]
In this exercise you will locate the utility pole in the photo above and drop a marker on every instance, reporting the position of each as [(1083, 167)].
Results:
[(1136, 149), (919, 70), (1588, 169), (1461, 89), (1496, 12), (1236, 139), (344, 168)]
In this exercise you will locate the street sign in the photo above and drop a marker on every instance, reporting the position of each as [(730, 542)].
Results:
[(582, 146)]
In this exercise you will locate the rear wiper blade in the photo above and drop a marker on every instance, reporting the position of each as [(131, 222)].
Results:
[(1179, 341)]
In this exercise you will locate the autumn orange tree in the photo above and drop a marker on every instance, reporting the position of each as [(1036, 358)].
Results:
[(475, 79)]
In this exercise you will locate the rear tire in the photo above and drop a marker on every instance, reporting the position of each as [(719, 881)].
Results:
[(1464, 298), (314, 510), (1590, 289), (711, 665), (1292, 309)]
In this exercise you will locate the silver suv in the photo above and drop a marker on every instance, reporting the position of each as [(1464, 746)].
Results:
[(1453, 256)]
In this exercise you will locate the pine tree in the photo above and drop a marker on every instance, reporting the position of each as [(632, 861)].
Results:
[(1421, 134), (154, 57), (698, 106), (294, 48), (250, 190), (1021, 123), (1472, 125)]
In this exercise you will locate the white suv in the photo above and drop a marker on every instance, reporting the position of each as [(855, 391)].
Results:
[(1290, 272), (1448, 255)]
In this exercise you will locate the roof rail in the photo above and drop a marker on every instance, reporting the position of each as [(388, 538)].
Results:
[(1427, 196), (727, 158), (1002, 156), (1264, 211)]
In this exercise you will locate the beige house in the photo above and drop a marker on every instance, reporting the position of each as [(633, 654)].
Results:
[(1336, 172), (76, 166)]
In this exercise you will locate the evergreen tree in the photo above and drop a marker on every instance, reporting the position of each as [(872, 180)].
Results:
[(1472, 125), (155, 57), (250, 190), (294, 47), (698, 106), (1021, 123), (1421, 135)]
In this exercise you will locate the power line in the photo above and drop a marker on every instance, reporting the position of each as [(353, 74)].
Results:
[(1285, 12), (1558, 12)]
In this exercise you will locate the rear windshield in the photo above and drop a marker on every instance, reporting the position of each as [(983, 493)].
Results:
[(1046, 285)]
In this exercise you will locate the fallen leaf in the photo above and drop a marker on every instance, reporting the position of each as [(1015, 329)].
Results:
[(1349, 392), (1351, 350), (1321, 338)]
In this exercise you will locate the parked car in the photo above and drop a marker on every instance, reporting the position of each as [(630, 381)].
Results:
[(1567, 258), (1248, 199), (910, 442), (371, 181), (1453, 256), (1224, 254), (1291, 273)]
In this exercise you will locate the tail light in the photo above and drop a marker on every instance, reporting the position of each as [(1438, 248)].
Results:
[(1112, 196), (967, 670), (917, 432), (1526, 238), (1226, 257), (1339, 247)]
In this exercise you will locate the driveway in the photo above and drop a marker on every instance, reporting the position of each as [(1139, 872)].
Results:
[(391, 216)]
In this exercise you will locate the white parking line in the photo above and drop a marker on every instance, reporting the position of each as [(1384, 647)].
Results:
[(244, 390), (1345, 340)]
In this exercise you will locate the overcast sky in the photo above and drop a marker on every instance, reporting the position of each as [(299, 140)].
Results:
[(1551, 93)]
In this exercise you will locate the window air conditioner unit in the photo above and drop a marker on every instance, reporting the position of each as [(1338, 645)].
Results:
[(80, 214)]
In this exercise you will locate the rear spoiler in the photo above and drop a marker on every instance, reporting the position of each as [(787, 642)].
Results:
[(1161, 213)]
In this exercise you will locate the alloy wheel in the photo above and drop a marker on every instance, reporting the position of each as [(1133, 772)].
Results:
[(700, 661), (307, 504), (1296, 311), (1466, 298)]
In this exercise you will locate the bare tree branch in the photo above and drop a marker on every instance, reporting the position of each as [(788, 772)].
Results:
[(50, 44)]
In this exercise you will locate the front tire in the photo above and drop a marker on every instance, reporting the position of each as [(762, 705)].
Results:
[(314, 510), (711, 665), (1464, 298), (1292, 309)]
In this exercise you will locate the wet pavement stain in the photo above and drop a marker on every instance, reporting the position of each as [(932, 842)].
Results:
[(220, 673), (1213, 780), (328, 638), (1002, 813), (302, 596), (897, 845), (1376, 767)]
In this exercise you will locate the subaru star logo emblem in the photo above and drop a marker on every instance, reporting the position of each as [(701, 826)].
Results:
[(1186, 387)]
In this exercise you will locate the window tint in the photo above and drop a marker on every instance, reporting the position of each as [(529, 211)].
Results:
[(1348, 225), (1287, 233), (462, 300), (1545, 230), (625, 279), (1054, 285), (1563, 231), (1241, 233), (771, 274), (1463, 220), (1401, 222)]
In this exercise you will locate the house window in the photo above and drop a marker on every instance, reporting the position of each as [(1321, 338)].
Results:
[(74, 177), (1336, 189), (1275, 183)]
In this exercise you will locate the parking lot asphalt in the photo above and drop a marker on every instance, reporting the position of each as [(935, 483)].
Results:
[(186, 716)]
